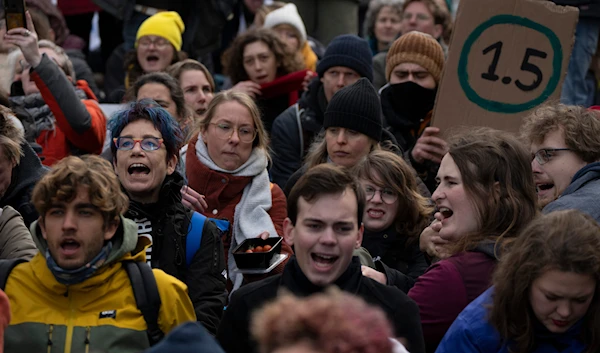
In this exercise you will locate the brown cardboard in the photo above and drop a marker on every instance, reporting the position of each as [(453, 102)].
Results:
[(540, 28)]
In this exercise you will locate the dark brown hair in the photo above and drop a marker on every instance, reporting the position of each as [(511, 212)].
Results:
[(233, 58), (324, 179), (387, 169), (567, 241), (495, 169)]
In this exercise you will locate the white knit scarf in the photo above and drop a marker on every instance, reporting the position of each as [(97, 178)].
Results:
[(251, 213)]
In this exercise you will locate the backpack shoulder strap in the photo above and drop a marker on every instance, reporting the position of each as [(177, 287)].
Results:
[(6, 267), (146, 295), (194, 236)]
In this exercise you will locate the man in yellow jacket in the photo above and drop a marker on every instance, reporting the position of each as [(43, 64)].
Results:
[(75, 294)]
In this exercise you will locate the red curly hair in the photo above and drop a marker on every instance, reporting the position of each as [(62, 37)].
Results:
[(331, 322)]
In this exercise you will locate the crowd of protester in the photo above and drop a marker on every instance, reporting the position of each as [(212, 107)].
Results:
[(307, 123)]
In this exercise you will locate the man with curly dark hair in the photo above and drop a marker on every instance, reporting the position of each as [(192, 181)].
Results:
[(75, 294)]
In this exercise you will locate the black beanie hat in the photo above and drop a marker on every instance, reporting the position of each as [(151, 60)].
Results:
[(356, 107), (350, 51)]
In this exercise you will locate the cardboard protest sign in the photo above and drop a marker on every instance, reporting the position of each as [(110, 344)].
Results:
[(506, 58)]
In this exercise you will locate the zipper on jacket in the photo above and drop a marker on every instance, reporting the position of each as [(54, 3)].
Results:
[(87, 339), (50, 330), (69, 338)]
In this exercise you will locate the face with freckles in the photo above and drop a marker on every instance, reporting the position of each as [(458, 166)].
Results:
[(142, 172)]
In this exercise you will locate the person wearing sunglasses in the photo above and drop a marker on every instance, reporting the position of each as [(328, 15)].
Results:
[(226, 163), (146, 140), (565, 147), (394, 216)]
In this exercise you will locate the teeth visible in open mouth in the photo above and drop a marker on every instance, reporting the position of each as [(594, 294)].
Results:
[(446, 212), (138, 168), (324, 258)]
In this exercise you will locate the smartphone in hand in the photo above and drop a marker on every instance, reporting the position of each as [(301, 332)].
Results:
[(14, 11)]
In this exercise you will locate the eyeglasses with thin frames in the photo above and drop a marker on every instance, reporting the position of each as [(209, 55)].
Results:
[(544, 155), (159, 43), (225, 131), (128, 143), (386, 195)]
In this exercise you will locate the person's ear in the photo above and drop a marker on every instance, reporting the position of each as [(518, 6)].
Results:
[(171, 164), (115, 165), (111, 229), (438, 30), (42, 227), (288, 231), (359, 239), (51, 35)]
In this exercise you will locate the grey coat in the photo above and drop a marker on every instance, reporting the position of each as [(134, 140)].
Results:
[(582, 194), (15, 239)]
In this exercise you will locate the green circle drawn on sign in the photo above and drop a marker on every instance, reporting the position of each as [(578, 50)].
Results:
[(500, 107)]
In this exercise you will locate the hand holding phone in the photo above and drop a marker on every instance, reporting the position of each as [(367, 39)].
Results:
[(14, 11), (26, 39)]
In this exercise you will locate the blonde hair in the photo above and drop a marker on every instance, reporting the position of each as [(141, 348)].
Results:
[(65, 63), (11, 137), (262, 137)]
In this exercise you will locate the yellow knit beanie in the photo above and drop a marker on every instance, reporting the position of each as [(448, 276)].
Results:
[(168, 25), (419, 48)]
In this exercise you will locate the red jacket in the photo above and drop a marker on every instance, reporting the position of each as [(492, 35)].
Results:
[(446, 288), (222, 193), (80, 124), (77, 7)]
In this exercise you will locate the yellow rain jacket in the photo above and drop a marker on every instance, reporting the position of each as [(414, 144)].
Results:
[(98, 315)]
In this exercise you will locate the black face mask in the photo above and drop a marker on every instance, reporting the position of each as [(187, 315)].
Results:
[(410, 99), (16, 89)]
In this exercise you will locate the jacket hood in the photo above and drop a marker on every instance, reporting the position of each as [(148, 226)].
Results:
[(314, 102), (489, 248), (187, 338), (25, 175), (124, 241), (585, 174)]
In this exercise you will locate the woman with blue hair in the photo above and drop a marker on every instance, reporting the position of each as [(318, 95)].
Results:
[(146, 141)]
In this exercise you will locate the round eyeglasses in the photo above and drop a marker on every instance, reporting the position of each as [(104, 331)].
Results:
[(224, 131), (386, 195), (128, 143)]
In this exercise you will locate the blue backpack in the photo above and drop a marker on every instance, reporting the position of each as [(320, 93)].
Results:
[(194, 236)]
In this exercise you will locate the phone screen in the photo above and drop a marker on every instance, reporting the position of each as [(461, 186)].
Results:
[(15, 13)]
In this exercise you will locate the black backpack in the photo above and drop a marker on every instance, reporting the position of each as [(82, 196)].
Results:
[(144, 287)]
